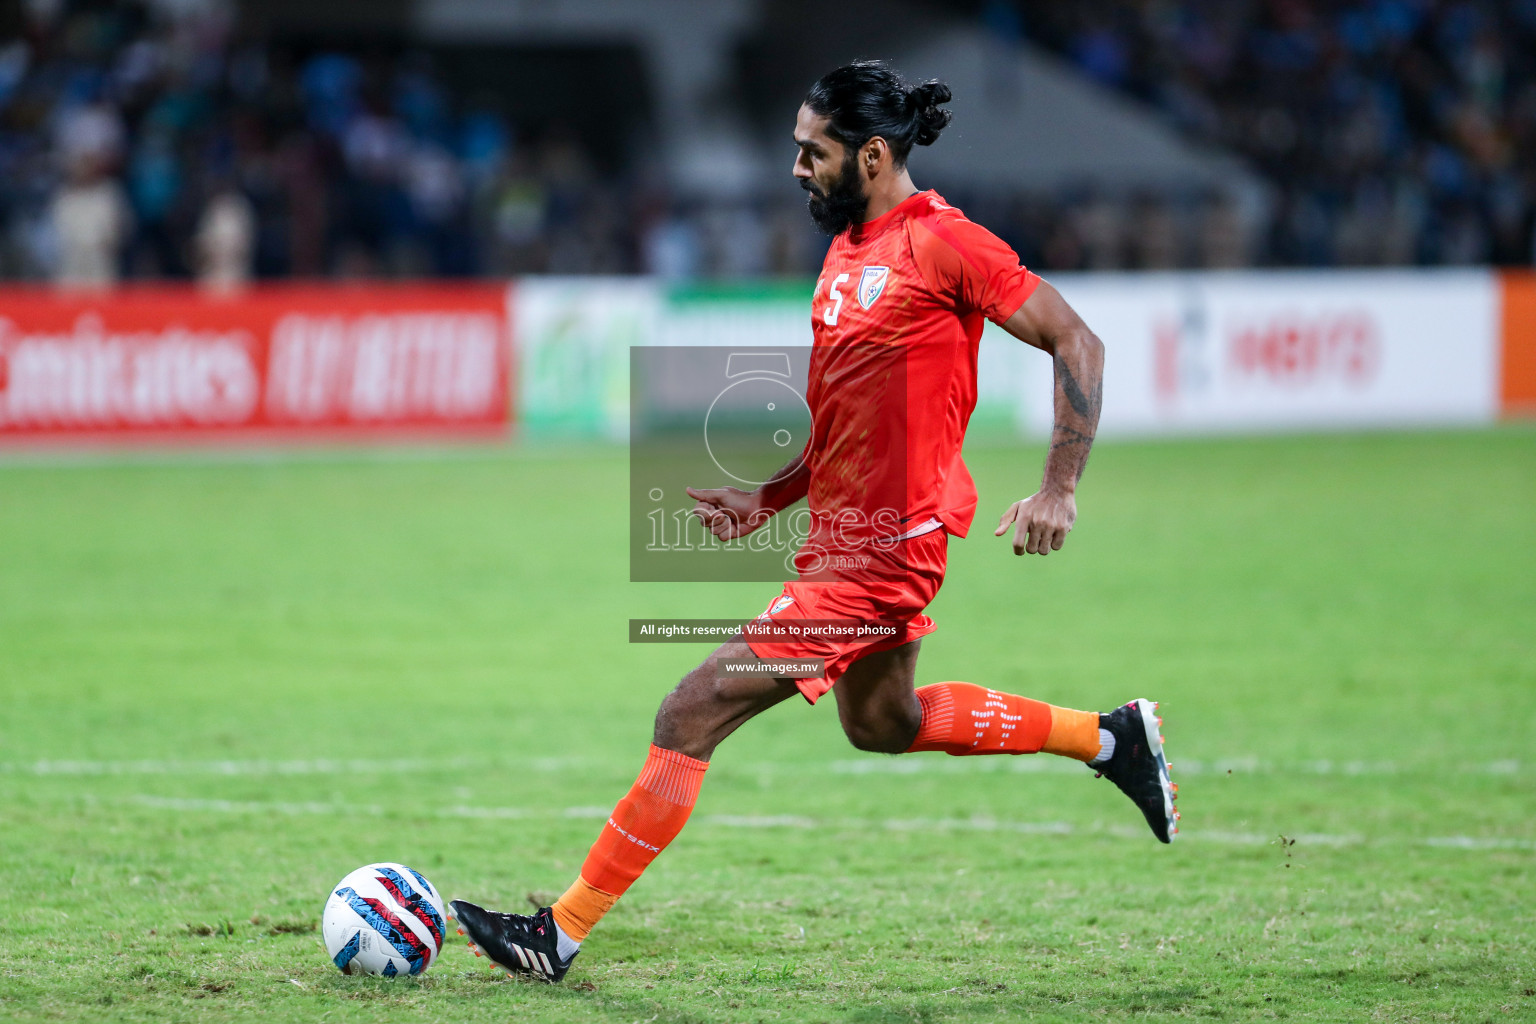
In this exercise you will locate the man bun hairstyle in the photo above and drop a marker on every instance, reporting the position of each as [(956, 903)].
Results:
[(869, 98), (925, 99)]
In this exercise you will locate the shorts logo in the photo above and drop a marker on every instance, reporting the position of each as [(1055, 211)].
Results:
[(872, 284), (780, 605)]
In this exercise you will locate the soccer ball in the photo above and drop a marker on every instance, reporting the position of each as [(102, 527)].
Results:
[(383, 919)]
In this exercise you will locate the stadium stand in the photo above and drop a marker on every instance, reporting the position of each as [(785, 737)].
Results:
[(1399, 131), (157, 140)]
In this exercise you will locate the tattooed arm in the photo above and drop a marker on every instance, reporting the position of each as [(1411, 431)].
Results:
[(1041, 521)]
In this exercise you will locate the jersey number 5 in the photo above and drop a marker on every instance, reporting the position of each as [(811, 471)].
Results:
[(829, 315)]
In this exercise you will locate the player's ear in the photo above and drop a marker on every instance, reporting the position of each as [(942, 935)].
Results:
[(875, 152)]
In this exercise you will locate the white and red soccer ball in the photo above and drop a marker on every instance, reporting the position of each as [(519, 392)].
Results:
[(383, 919)]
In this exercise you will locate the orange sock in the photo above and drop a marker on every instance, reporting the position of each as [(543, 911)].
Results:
[(582, 906), (649, 817), (963, 718)]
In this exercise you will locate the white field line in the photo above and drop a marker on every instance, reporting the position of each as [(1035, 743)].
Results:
[(173, 454), (1181, 766), (924, 765), (319, 766), (180, 805)]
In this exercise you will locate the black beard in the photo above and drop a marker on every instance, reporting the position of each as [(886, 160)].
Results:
[(844, 204)]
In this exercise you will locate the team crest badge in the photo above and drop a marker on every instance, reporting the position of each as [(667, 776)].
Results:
[(872, 284)]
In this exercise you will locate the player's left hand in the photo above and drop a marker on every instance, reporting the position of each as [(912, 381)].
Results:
[(1040, 522)]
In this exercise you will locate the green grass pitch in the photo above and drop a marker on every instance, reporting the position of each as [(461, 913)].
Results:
[(227, 683)]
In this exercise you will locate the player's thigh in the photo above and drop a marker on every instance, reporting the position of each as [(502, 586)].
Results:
[(877, 692)]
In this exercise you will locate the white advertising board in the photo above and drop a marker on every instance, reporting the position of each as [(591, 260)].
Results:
[(1186, 353), (1251, 351)]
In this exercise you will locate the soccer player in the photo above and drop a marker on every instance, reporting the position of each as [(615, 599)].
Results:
[(897, 316)]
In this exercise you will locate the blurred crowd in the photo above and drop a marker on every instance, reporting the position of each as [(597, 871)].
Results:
[(1395, 131), (153, 140), (150, 140)]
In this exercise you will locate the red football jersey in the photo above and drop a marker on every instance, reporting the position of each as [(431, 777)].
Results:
[(897, 318)]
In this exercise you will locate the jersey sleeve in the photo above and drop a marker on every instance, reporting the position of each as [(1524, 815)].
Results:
[(966, 263)]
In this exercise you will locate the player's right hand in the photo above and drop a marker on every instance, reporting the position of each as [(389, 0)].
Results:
[(728, 512)]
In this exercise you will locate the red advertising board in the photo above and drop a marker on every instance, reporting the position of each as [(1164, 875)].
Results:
[(1517, 390), (301, 362)]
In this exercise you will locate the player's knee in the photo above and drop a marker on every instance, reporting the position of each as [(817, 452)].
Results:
[(876, 737), (679, 724), (691, 716), (882, 729)]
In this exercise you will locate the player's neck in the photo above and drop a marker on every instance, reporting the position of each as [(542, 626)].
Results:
[(886, 195)]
